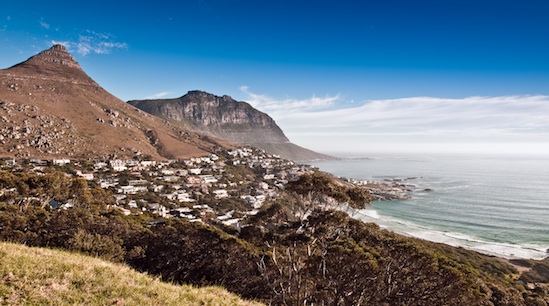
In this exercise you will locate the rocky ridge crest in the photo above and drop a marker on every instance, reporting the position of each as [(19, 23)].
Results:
[(225, 118)]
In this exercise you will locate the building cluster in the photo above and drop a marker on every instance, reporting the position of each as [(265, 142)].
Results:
[(226, 189)]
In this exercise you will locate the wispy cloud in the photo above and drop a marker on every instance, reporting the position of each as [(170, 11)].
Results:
[(44, 25), (274, 106), (436, 116), (93, 42), (525, 117), (159, 95)]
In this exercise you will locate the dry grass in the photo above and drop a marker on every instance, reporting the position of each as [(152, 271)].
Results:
[(38, 276)]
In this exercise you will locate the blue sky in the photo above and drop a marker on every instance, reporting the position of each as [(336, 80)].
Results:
[(338, 76)]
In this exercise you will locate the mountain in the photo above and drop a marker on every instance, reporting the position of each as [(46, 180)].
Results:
[(49, 108), (225, 118)]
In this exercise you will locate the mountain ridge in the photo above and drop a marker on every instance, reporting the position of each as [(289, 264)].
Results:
[(225, 118)]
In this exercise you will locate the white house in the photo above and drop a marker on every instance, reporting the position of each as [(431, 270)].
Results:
[(61, 161), (118, 165), (127, 189), (87, 176), (196, 171), (132, 204), (208, 179), (171, 178), (167, 172)]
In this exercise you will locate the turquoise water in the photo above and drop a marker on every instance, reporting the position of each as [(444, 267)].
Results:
[(497, 205)]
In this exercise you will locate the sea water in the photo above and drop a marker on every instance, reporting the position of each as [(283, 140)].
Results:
[(497, 205)]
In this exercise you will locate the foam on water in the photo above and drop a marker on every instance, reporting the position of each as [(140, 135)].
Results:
[(505, 250)]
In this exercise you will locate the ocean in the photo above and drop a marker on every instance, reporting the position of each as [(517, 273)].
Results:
[(497, 205)]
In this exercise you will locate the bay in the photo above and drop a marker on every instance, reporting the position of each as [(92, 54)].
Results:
[(498, 205)]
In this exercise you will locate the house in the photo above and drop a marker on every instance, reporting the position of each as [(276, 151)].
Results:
[(156, 208), (193, 181), (182, 172), (138, 182), (146, 164), (132, 204), (208, 179), (157, 188), (118, 165), (61, 161), (171, 178), (184, 197), (220, 193), (128, 189), (106, 183), (182, 212), (180, 196), (196, 171), (167, 172), (86, 176)]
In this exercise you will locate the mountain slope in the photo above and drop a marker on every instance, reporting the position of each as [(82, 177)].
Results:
[(225, 118), (34, 276), (49, 107)]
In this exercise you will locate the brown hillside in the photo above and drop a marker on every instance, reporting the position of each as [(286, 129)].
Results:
[(49, 107)]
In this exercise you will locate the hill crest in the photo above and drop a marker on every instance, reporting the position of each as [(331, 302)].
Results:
[(41, 276)]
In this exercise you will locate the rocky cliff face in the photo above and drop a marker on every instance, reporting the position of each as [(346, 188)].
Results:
[(221, 117), (49, 107), (225, 118)]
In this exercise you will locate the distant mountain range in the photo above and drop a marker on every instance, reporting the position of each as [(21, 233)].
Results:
[(227, 119)]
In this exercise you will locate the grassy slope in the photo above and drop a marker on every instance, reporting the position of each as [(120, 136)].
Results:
[(31, 276)]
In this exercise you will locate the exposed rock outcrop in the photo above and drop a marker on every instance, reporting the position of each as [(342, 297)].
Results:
[(217, 116), (225, 118)]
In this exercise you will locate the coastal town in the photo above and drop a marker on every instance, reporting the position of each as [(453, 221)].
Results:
[(226, 188)]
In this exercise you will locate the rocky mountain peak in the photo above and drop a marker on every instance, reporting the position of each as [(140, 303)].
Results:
[(49, 107), (56, 55), (55, 62)]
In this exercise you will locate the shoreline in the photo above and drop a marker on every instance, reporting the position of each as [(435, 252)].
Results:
[(496, 249)]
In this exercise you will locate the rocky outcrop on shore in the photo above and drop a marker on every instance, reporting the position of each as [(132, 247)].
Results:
[(395, 189)]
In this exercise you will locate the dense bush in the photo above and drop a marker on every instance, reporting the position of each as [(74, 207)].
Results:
[(326, 258)]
